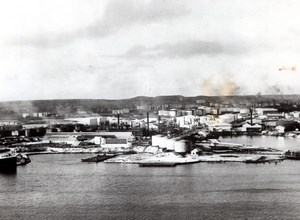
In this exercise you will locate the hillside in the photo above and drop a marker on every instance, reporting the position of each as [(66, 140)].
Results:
[(13, 108)]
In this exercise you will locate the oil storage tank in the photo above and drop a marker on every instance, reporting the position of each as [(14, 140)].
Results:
[(163, 142), (181, 146), (155, 139), (171, 144), (244, 111)]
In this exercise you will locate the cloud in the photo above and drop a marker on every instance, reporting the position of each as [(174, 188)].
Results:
[(184, 49), (118, 15)]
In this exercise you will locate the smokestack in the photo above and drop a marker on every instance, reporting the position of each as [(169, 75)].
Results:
[(158, 119), (148, 122), (251, 112), (118, 121)]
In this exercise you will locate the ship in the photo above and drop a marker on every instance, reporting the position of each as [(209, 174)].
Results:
[(22, 159), (98, 158), (8, 160), (292, 155), (261, 159)]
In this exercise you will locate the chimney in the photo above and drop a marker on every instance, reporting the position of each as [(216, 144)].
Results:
[(118, 121), (148, 122), (251, 112), (158, 119)]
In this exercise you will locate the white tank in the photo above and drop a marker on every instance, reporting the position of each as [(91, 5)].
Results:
[(155, 139), (245, 111), (171, 144), (163, 142), (181, 147)]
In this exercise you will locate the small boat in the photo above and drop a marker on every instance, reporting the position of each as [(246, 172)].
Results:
[(292, 155), (262, 159), (98, 158), (22, 159)]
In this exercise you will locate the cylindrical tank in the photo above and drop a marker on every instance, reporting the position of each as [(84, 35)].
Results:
[(163, 142), (155, 140), (181, 147), (171, 144), (245, 111)]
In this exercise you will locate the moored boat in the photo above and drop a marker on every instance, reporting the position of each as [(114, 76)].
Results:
[(157, 164), (261, 159), (22, 159), (98, 158), (292, 155)]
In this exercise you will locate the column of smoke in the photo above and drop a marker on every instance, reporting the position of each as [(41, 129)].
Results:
[(225, 87), (279, 90), (18, 107), (228, 87)]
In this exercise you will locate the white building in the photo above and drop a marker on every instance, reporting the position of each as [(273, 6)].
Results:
[(280, 129), (187, 121), (248, 127), (107, 139), (266, 111), (295, 114), (196, 152), (227, 118)]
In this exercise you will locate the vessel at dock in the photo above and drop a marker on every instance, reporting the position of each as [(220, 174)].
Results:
[(157, 164), (22, 159), (261, 159), (292, 155), (98, 158), (264, 159)]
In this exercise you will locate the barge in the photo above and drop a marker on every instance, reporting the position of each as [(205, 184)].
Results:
[(157, 164), (98, 158)]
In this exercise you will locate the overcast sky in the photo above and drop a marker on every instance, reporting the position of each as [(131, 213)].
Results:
[(55, 49)]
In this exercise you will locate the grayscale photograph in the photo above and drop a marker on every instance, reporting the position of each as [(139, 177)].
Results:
[(149, 109)]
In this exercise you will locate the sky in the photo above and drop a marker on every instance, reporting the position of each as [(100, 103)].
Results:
[(116, 49)]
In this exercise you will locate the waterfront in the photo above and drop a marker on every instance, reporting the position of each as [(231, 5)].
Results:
[(279, 143), (62, 187)]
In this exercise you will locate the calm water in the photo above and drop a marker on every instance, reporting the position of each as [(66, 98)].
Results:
[(61, 187)]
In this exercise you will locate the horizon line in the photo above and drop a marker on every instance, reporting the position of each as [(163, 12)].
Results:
[(208, 96)]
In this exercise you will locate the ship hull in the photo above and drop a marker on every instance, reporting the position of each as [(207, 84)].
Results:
[(8, 163), (98, 158)]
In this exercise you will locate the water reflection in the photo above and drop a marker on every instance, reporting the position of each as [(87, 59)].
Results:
[(8, 172)]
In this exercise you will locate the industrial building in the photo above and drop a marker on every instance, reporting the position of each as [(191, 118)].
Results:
[(105, 139), (266, 111), (36, 114)]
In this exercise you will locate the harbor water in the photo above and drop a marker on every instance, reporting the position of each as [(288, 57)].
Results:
[(62, 187)]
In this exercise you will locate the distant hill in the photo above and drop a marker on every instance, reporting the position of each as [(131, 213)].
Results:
[(13, 108)]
